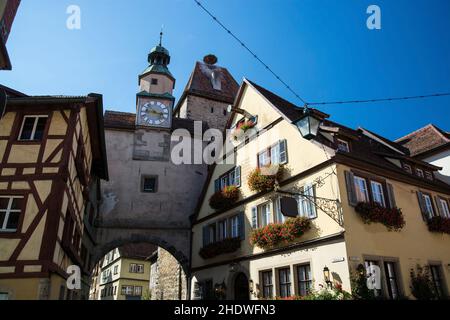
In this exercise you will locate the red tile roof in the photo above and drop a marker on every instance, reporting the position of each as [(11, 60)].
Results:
[(425, 139)]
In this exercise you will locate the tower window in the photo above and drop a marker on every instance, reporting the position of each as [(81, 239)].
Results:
[(154, 81), (224, 112), (212, 109), (149, 184)]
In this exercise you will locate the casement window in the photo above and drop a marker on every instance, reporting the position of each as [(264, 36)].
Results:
[(419, 173), (426, 205), (136, 268), (149, 184), (407, 168), (33, 128), (284, 282), (304, 279), (222, 230), (231, 227), (279, 216), (127, 290), (343, 145), (116, 269), (377, 193), (115, 290), (267, 284), (390, 269), (234, 226), (10, 209), (443, 207), (231, 178), (276, 154), (306, 205), (362, 194), (436, 277), (138, 291), (264, 214)]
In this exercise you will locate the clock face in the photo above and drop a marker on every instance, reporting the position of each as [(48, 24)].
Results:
[(154, 113)]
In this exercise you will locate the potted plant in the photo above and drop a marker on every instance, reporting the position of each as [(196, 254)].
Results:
[(225, 246), (224, 198), (264, 178), (275, 234), (371, 212)]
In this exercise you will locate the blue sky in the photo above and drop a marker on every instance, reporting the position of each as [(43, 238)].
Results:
[(322, 48)]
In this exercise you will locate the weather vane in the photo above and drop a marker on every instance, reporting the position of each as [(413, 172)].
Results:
[(161, 35)]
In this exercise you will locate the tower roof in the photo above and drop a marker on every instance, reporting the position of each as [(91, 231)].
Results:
[(158, 59)]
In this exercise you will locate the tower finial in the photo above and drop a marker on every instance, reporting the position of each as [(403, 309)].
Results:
[(161, 35)]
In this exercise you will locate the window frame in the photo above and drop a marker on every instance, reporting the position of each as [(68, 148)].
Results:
[(340, 142), (309, 281), (445, 202), (264, 285), (268, 151), (154, 81), (123, 290), (268, 213), (431, 214), (22, 203), (383, 195), (287, 285), (33, 132), (143, 178), (357, 189), (438, 283)]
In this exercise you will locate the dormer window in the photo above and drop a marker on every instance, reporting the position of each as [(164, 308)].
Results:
[(407, 168), (428, 175), (419, 173), (154, 81), (343, 145)]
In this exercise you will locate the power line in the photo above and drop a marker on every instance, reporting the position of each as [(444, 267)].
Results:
[(250, 51), (382, 99)]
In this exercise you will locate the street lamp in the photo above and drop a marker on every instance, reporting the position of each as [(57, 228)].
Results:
[(326, 276), (308, 124)]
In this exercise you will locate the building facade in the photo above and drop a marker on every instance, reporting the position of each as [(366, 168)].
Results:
[(52, 159), (123, 274), (337, 178)]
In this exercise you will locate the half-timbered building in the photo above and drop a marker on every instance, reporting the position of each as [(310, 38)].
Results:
[(52, 156)]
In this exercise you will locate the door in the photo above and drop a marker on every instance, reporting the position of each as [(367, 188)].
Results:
[(241, 289)]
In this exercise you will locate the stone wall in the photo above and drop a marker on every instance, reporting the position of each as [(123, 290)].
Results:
[(170, 280), (212, 112)]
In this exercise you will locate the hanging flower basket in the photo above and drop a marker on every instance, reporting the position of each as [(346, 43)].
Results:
[(225, 246), (264, 178), (224, 198), (392, 218), (439, 224), (280, 233)]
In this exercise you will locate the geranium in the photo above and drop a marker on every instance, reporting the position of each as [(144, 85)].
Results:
[(392, 218), (278, 233), (246, 125), (224, 198), (264, 179), (439, 224)]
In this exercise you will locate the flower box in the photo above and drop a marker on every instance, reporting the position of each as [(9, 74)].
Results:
[(243, 130), (392, 218), (224, 198), (439, 224), (280, 233), (225, 246), (264, 178)]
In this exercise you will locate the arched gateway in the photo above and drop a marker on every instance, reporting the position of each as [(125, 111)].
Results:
[(148, 197)]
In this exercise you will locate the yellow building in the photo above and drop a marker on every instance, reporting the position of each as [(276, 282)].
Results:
[(338, 178), (52, 155), (124, 273)]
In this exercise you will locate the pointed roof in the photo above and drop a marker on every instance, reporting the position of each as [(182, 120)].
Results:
[(425, 140), (211, 82)]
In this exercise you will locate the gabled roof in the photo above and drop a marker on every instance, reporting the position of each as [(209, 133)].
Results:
[(425, 140), (200, 83)]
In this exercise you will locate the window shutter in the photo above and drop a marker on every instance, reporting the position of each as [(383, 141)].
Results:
[(301, 200), (439, 206), (237, 176), (312, 203), (351, 192), (282, 148), (422, 205), (254, 218), (205, 236), (241, 225), (217, 185), (391, 196)]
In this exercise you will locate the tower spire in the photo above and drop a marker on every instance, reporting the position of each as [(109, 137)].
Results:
[(161, 36)]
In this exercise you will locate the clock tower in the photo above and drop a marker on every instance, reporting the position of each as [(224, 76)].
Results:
[(155, 100)]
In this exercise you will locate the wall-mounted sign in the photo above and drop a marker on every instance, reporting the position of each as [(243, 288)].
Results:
[(289, 207), (338, 259)]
